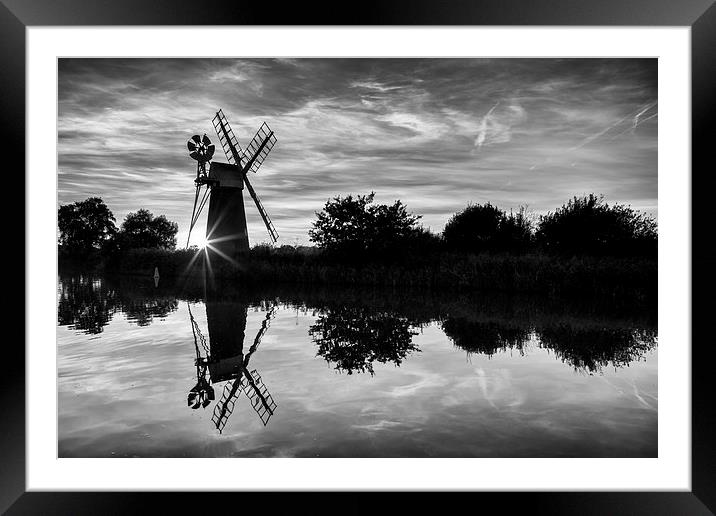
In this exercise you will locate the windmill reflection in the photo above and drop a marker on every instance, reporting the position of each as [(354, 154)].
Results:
[(202, 393), (222, 359)]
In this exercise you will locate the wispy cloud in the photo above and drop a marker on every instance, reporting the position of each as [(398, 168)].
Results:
[(496, 126)]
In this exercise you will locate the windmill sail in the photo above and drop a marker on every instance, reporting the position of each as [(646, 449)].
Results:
[(264, 215), (258, 149), (250, 383), (228, 140), (261, 400), (225, 406), (255, 390), (233, 176)]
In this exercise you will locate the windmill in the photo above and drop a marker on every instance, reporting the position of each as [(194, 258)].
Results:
[(227, 362), (202, 394), (223, 185), (250, 383)]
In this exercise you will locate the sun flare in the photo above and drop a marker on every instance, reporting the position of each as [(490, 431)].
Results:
[(200, 241)]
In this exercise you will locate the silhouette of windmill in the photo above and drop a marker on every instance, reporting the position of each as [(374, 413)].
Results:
[(223, 185), (202, 394), (227, 362)]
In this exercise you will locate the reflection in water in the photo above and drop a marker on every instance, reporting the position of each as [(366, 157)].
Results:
[(85, 304), (521, 393), (587, 349), (202, 393), (88, 304), (143, 310), (591, 349), (354, 337), (224, 361), (486, 338)]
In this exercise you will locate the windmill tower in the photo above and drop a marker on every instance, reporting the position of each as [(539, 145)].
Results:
[(223, 185)]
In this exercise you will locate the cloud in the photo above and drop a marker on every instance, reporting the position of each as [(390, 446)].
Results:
[(373, 85), (496, 126)]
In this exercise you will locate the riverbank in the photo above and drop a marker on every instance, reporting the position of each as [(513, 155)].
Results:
[(631, 279)]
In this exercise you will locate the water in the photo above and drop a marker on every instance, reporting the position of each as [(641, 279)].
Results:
[(346, 373)]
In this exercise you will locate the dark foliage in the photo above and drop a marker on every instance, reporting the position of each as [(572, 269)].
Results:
[(485, 337), (354, 227), (143, 261), (85, 227), (589, 226), (142, 230), (591, 349), (88, 304), (483, 228), (353, 338), (143, 310), (357, 328), (361, 243)]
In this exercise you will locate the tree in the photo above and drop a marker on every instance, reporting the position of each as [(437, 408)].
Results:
[(486, 337), (354, 226), (353, 338), (85, 226), (516, 232), (141, 229), (588, 225), (485, 228)]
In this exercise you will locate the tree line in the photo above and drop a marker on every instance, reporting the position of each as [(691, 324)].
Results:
[(355, 227), (88, 229)]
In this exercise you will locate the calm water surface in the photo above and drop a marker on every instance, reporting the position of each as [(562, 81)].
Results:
[(148, 371)]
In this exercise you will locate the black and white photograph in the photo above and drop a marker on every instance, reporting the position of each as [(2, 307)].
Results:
[(357, 257)]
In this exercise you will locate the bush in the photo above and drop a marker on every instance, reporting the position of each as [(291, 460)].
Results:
[(142, 230), (485, 228), (85, 228), (589, 226), (355, 228)]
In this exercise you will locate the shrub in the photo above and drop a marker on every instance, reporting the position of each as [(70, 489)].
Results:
[(142, 230), (85, 227), (485, 228), (354, 227), (589, 226)]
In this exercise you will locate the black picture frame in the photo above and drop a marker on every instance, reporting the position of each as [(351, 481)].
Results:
[(700, 15)]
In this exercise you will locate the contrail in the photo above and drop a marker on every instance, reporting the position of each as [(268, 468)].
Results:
[(482, 131), (647, 108), (589, 139), (637, 121)]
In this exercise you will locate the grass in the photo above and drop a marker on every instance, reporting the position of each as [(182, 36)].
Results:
[(620, 279)]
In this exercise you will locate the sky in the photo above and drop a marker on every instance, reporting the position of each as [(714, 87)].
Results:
[(435, 133)]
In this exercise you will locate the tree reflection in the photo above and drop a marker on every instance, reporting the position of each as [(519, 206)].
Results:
[(88, 304), (483, 337), (353, 338), (586, 348), (591, 349), (142, 311)]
